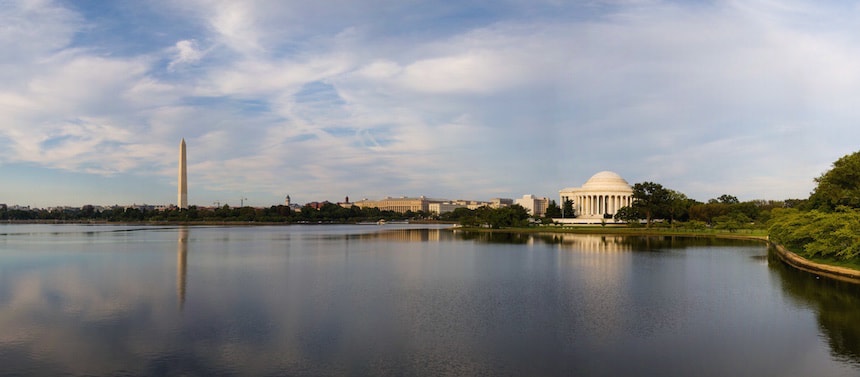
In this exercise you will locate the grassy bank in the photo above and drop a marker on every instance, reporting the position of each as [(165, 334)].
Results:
[(852, 264), (758, 234)]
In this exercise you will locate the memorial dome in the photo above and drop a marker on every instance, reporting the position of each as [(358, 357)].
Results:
[(600, 197), (606, 180)]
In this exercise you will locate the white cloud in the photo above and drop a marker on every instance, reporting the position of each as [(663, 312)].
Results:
[(32, 28), (276, 96), (235, 23), (187, 52), (380, 70)]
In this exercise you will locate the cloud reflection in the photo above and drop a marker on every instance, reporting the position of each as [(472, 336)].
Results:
[(338, 301)]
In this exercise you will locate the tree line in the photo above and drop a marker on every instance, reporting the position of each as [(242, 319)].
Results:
[(827, 226), (505, 217), (328, 212), (656, 205)]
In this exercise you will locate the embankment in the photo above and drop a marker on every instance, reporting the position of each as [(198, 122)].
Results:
[(828, 271)]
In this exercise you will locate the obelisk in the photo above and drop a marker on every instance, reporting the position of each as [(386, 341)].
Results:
[(183, 177)]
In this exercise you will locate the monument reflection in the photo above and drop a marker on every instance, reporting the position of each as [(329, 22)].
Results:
[(181, 265)]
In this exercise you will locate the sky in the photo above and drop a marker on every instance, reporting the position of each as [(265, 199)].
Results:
[(462, 99)]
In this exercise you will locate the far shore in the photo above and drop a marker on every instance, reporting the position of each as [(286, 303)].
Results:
[(203, 223)]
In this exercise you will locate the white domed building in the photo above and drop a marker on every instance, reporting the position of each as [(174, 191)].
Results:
[(600, 197)]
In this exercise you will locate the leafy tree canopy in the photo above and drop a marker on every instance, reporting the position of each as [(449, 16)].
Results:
[(628, 215), (651, 200), (818, 234), (725, 199), (552, 210), (567, 209), (840, 186)]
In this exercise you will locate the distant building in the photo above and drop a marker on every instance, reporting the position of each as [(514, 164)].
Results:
[(317, 205), (445, 207), (600, 197), (534, 205), (501, 202), (401, 204), (141, 207), (293, 206), (345, 203)]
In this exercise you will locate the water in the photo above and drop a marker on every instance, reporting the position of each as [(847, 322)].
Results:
[(397, 300)]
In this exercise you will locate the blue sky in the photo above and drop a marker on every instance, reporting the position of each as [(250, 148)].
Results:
[(460, 99)]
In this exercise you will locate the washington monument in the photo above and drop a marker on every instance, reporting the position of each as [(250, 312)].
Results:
[(183, 177)]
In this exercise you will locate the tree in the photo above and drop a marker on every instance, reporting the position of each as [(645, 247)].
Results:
[(552, 210), (651, 200), (88, 212), (707, 212), (678, 206), (567, 209), (725, 199), (840, 186), (628, 215), (458, 214), (818, 234), (731, 222), (504, 217), (512, 216)]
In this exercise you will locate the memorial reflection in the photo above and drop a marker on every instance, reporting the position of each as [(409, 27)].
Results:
[(836, 305), (598, 242), (398, 235), (589, 242)]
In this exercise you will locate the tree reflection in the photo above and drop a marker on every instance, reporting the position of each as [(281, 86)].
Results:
[(614, 242), (836, 304), (496, 237)]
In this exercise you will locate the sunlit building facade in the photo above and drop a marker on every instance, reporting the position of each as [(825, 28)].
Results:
[(534, 205), (401, 204), (600, 197)]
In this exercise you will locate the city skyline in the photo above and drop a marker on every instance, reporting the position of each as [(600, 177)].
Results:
[(379, 98)]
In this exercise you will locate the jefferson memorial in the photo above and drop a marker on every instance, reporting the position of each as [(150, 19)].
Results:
[(600, 197)]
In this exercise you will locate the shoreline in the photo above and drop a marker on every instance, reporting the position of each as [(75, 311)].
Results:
[(788, 257), (199, 223)]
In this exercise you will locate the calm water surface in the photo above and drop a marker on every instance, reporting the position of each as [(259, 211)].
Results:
[(401, 300)]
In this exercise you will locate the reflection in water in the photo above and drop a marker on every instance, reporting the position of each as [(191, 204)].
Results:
[(359, 300), (598, 242), (495, 237), (181, 265), (836, 304), (587, 242)]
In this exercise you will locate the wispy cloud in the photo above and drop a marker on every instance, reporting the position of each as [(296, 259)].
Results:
[(330, 99)]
